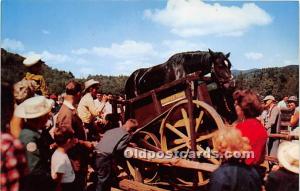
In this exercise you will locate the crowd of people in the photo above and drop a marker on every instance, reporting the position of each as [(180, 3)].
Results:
[(257, 118), (51, 142)]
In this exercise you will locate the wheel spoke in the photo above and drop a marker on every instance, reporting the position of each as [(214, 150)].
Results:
[(205, 154), (186, 122), (174, 130), (178, 147), (200, 177), (203, 137), (178, 141), (179, 123), (198, 121)]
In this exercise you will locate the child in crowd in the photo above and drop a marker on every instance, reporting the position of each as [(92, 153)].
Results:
[(233, 174), (61, 168)]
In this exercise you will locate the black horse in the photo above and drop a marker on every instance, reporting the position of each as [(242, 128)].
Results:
[(178, 66), (182, 64)]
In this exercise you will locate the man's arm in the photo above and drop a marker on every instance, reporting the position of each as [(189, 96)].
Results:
[(92, 107), (57, 178), (295, 119)]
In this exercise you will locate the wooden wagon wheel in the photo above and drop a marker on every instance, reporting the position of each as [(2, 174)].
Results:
[(176, 136), (146, 171)]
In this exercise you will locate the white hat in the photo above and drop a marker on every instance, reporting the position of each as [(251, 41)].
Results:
[(289, 155), (269, 97), (89, 83), (292, 99), (34, 107), (31, 60)]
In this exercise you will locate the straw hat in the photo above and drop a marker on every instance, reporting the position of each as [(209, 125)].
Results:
[(289, 155), (89, 83), (31, 60), (34, 107), (269, 97)]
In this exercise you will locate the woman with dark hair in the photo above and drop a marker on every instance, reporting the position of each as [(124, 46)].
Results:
[(248, 108)]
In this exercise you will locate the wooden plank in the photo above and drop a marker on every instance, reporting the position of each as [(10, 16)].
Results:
[(173, 98), (169, 161), (284, 136), (115, 189), (137, 186), (190, 77)]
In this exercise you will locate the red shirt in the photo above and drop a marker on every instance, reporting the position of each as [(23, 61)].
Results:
[(257, 135), (13, 163)]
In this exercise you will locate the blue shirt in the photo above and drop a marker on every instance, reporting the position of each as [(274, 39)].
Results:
[(113, 140), (234, 176)]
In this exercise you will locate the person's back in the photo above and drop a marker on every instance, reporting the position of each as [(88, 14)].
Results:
[(113, 142), (282, 180), (233, 176), (111, 139)]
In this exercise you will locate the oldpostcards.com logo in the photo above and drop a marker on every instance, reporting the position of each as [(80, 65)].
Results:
[(207, 153)]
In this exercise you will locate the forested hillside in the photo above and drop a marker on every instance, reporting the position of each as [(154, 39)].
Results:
[(277, 81), (12, 70)]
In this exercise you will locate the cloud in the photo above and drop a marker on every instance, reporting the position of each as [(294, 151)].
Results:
[(127, 49), (129, 55), (12, 45), (124, 50), (188, 18), (254, 55), (51, 58), (123, 58), (45, 32), (80, 51)]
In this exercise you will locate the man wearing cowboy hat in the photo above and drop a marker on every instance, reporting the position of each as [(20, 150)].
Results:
[(87, 109), (271, 123), (36, 112), (34, 65), (286, 178)]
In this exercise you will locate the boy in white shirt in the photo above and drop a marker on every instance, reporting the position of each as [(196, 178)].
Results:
[(61, 168)]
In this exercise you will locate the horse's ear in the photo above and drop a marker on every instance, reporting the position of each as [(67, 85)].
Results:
[(227, 55), (211, 52)]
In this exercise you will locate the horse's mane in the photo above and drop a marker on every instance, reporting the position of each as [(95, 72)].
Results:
[(204, 56)]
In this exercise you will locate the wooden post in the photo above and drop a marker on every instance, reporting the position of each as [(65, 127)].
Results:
[(156, 102), (192, 125), (203, 94)]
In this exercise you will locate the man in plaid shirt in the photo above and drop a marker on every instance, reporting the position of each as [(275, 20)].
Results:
[(13, 163), (13, 160)]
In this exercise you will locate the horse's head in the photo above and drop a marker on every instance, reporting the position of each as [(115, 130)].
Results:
[(220, 69)]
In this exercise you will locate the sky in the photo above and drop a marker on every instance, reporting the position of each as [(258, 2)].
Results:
[(116, 37)]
